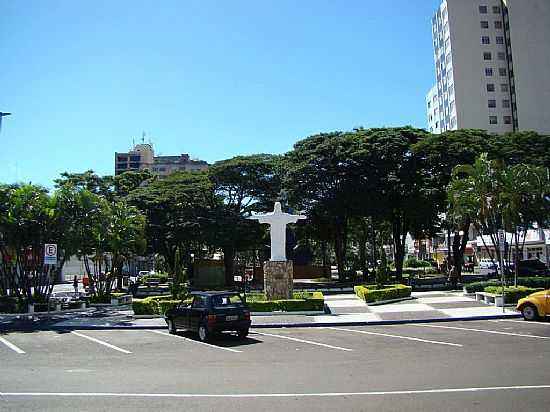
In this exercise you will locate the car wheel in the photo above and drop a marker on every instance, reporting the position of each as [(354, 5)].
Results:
[(242, 333), (530, 312), (171, 327), (203, 333)]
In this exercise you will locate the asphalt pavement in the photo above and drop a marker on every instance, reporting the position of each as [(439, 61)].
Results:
[(455, 366)]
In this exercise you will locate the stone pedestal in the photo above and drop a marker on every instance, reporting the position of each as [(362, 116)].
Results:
[(278, 277)]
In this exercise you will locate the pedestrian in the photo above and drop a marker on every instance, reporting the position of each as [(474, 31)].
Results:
[(75, 285)]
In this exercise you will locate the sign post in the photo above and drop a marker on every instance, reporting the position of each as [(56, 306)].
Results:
[(50, 254), (502, 248)]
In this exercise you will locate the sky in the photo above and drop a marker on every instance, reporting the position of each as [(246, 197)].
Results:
[(215, 79)]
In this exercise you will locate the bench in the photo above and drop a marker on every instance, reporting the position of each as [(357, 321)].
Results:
[(490, 298)]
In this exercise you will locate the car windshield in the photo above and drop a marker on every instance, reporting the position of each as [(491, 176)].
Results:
[(221, 301)]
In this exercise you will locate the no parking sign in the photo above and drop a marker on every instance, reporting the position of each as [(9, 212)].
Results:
[(50, 254)]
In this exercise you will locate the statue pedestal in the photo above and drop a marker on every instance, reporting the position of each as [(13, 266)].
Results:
[(278, 277)]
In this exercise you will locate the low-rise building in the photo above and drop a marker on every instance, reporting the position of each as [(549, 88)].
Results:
[(142, 157)]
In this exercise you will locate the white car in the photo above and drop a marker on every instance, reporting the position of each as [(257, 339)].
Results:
[(488, 264)]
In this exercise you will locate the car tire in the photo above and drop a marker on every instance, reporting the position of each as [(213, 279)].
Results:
[(242, 333), (171, 327), (530, 312), (204, 336)]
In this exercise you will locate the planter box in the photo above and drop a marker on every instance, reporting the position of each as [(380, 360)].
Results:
[(122, 300)]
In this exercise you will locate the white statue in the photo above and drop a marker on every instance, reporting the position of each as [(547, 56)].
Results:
[(277, 221)]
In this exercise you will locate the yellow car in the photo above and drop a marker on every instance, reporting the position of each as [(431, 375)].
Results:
[(535, 306)]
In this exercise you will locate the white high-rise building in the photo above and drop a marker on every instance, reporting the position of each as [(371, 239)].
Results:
[(492, 60)]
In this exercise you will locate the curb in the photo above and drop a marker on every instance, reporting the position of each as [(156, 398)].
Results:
[(383, 302), (279, 325)]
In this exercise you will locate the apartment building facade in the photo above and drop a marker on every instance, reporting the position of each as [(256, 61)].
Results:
[(143, 157), (491, 60)]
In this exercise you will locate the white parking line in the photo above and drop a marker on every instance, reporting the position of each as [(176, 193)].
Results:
[(196, 341), (526, 323), (101, 342), (11, 346), (304, 341), (435, 342), (271, 395), (495, 332)]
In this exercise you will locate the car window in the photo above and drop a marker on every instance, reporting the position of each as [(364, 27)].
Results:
[(227, 300), (198, 302)]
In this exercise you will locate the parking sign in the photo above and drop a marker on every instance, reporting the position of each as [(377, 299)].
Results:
[(50, 254), (502, 239)]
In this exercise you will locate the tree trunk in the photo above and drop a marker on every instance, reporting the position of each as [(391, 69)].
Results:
[(459, 247), (399, 231), (339, 251), (326, 270), (229, 263)]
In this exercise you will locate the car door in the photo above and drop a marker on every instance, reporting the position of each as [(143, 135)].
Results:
[(196, 312), (180, 316)]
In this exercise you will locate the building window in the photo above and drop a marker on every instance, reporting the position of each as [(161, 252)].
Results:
[(452, 105), (498, 25), (483, 9), (506, 104), (496, 10), (501, 56), (429, 105), (493, 120), (492, 104), (488, 71), (135, 158), (134, 165), (453, 121), (448, 58), (502, 71), (487, 56), (490, 87), (122, 166), (485, 40), (504, 88), (484, 24), (500, 40), (122, 159), (507, 119)]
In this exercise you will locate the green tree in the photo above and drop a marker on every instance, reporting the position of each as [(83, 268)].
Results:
[(241, 185)]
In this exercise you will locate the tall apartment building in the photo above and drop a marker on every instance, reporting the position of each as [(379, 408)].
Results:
[(143, 157), (492, 60)]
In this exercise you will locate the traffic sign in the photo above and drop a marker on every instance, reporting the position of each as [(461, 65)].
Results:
[(502, 239), (50, 254)]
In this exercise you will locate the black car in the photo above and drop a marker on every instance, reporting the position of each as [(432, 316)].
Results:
[(529, 267), (210, 313)]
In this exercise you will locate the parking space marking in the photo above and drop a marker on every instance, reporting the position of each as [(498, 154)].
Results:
[(101, 342), (11, 346), (271, 395), (495, 332), (526, 323), (304, 341), (196, 341), (435, 342)]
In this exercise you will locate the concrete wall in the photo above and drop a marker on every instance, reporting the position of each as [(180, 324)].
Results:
[(530, 41)]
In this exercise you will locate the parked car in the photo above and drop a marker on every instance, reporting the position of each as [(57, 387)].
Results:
[(210, 313), (530, 267), (64, 297), (535, 306), (488, 264)]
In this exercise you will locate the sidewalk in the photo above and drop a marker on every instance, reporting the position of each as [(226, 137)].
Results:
[(346, 310)]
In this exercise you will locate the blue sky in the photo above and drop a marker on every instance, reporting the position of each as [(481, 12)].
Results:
[(210, 78)]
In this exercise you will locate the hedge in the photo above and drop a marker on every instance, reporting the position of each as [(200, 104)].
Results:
[(302, 301), (370, 293), (155, 305), (512, 293), (530, 282), (162, 277), (9, 305)]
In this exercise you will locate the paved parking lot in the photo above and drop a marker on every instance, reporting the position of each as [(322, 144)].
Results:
[(478, 365)]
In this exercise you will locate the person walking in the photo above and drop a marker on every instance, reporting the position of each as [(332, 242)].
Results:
[(75, 285)]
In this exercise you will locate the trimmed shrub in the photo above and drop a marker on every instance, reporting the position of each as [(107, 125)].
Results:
[(413, 262), (370, 293), (162, 277), (156, 305), (303, 301), (9, 305), (530, 282), (512, 293)]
